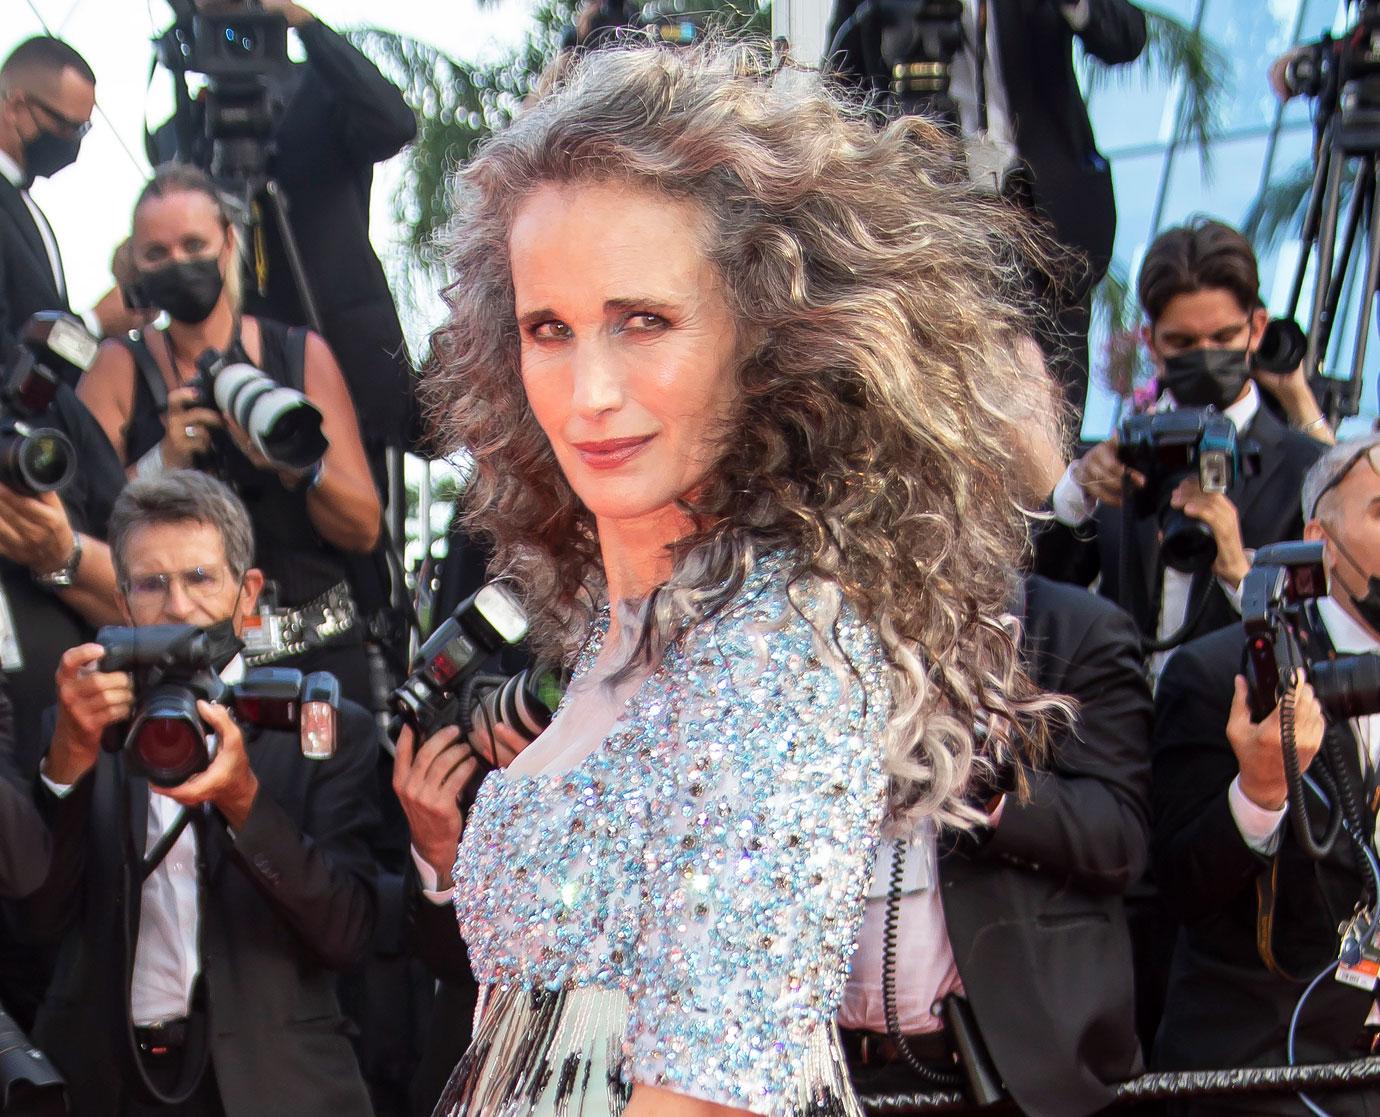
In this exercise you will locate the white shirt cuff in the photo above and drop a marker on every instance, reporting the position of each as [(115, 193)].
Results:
[(1072, 505), (1078, 14), (1260, 827), (1234, 595), (61, 790), (431, 883), (91, 322)]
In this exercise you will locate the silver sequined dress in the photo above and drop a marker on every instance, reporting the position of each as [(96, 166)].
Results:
[(679, 908)]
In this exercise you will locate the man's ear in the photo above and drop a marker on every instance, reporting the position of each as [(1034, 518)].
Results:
[(1313, 531), (250, 587), (1147, 334), (1260, 318)]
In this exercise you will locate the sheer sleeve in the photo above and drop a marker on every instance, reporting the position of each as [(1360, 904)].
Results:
[(763, 827)]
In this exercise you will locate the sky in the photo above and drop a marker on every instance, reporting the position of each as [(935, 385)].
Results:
[(89, 203)]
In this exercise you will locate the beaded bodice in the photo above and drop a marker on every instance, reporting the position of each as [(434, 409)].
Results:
[(710, 858)]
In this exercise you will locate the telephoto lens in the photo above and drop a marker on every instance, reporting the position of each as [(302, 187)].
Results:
[(524, 703), (1348, 686), (281, 422)]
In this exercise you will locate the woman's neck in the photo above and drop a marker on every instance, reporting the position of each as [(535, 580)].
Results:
[(636, 552), (216, 331)]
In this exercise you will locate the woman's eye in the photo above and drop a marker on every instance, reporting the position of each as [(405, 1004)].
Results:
[(550, 331), (648, 321)]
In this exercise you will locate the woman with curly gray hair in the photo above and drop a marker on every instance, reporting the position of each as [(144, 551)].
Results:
[(739, 376)]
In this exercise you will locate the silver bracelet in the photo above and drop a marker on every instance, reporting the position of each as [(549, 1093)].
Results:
[(1320, 421)]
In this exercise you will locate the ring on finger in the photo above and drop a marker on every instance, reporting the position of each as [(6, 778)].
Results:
[(191, 430)]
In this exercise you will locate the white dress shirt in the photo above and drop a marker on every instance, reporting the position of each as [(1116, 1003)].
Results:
[(1073, 507), (1263, 829), (10, 169), (990, 153), (167, 955)]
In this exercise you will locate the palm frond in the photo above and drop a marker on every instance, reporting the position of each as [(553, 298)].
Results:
[(1175, 53)]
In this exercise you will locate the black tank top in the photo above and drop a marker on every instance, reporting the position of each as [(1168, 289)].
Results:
[(287, 547)]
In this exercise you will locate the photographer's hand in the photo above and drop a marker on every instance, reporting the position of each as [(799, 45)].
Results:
[(89, 701), (1219, 513), (1100, 471), (428, 785), (186, 428), (1259, 749), (229, 783), (34, 530), (1297, 399)]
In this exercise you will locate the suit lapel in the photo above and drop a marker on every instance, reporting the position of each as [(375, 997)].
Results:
[(1266, 432), (29, 234)]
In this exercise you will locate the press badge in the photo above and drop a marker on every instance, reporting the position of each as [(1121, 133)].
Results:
[(262, 633), (1359, 964), (11, 657)]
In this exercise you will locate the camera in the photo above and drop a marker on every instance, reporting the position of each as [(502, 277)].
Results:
[(238, 52), (36, 459), (165, 739), (1345, 71), (1170, 446), (1282, 636), (29, 1083), (446, 687), (281, 422)]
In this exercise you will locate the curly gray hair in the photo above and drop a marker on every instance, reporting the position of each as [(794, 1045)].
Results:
[(884, 405)]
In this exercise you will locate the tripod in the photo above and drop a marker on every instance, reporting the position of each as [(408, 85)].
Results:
[(1347, 129)]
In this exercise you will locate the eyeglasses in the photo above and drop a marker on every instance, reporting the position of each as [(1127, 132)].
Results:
[(200, 583), (1372, 456), (71, 129)]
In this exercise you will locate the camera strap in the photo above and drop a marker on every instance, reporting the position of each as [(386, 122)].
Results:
[(148, 368)]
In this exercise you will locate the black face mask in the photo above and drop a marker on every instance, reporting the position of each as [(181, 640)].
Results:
[(188, 290), (1206, 377), (1367, 605), (46, 154), (222, 642)]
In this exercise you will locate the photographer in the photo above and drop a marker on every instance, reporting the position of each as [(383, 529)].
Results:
[(1016, 101), (338, 117), (1025, 923), (247, 915), (307, 521), (1257, 913), (1199, 290)]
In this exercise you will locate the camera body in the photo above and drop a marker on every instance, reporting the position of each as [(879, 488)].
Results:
[(281, 422), (36, 459), (166, 740), (1282, 636), (1168, 447), (238, 52), (446, 687)]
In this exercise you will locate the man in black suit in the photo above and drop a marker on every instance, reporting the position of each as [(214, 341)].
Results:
[(213, 981), (47, 95), (1259, 917), (1199, 289), (1025, 918), (24, 841), (1026, 130)]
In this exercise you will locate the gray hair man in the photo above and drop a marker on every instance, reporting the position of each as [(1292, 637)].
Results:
[(245, 913)]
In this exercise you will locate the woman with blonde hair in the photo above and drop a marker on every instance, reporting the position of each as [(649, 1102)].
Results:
[(182, 258), (737, 372)]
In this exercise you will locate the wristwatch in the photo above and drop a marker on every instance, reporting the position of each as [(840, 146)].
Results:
[(65, 574)]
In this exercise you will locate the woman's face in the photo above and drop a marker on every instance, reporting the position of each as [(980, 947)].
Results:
[(184, 225), (628, 345)]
